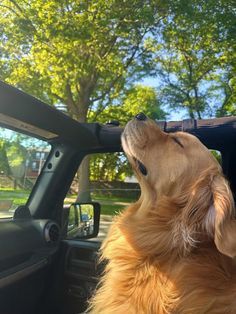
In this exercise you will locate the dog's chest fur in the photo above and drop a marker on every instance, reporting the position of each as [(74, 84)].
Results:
[(134, 284)]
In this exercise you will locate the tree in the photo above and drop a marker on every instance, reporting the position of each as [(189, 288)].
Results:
[(138, 98), (84, 55), (196, 64), (188, 77), (228, 103), (4, 165), (17, 153), (76, 53), (109, 167), (80, 52), (12, 159)]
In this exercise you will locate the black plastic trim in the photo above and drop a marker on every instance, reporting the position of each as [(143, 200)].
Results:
[(20, 274), (27, 109)]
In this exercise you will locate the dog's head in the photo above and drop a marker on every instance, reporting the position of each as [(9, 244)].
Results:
[(182, 186)]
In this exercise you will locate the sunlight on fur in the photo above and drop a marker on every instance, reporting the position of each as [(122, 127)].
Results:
[(173, 250)]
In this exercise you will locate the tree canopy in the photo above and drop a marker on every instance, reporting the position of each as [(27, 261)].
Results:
[(196, 63), (110, 167), (77, 53), (86, 57), (83, 55), (138, 98)]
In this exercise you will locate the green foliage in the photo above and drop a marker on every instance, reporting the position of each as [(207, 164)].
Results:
[(16, 156), (197, 61), (228, 106), (217, 156), (138, 98), (81, 55), (12, 158), (73, 52), (86, 55), (109, 167), (16, 150), (143, 99), (4, 165)]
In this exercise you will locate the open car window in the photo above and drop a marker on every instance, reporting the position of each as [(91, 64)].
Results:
[(112, 183), (21, 160)]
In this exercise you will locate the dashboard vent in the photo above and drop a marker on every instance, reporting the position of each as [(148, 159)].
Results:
[(52, 232)]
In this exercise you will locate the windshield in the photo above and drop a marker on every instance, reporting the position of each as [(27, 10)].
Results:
[(21, 160)]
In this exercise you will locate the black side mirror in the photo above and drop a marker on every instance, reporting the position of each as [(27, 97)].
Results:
[(83, 220)]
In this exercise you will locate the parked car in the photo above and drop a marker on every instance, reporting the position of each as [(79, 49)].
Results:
[(48, 259)]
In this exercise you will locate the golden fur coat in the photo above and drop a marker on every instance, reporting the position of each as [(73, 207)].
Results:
[(172, 252)]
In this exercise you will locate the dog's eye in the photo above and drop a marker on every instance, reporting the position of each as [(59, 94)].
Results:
[(178, 141), (141, 167)]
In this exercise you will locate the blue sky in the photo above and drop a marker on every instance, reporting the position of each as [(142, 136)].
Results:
[(172, 115)]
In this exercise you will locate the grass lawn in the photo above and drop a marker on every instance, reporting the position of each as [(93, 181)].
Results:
[(111, 209), (10, 200), (18, 196), (110, 205)]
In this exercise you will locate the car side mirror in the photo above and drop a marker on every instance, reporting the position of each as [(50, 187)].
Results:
[(83, 220)]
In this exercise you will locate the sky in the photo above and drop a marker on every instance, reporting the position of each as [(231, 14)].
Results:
[(172, 115)]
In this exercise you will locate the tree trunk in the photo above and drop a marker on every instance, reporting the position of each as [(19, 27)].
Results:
[(199, 115), (78, 110), (84, 170), (191, 114), (84, 184)]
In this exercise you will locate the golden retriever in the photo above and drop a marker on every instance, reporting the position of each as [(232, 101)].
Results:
[(173, 250)]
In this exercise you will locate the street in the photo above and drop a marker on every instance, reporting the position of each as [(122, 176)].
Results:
[(105, 223)]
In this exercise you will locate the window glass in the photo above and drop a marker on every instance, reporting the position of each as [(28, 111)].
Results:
[(21, 160)]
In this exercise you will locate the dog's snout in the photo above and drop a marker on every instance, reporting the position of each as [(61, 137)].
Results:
[(141, 116)]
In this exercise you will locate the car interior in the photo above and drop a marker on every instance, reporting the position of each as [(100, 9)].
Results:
[(46, 267)]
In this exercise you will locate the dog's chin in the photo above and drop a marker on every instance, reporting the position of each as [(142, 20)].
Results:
[(127, 148), (134, 136)]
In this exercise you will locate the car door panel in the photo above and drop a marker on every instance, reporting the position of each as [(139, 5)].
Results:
[(81, 274), (27, 254)]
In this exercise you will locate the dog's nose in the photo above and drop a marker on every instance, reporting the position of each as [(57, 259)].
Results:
[(141, 116)]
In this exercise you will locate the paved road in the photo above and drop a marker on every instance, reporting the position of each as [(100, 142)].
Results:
[(105, 223)]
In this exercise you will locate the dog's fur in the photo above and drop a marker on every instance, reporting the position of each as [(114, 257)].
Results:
[(173, 250)]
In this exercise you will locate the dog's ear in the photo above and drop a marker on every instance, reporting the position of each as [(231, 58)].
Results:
[(194, 214), (221, 217), (211, 202)]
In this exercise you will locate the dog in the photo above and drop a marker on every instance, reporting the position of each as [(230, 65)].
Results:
[(171, 252)]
